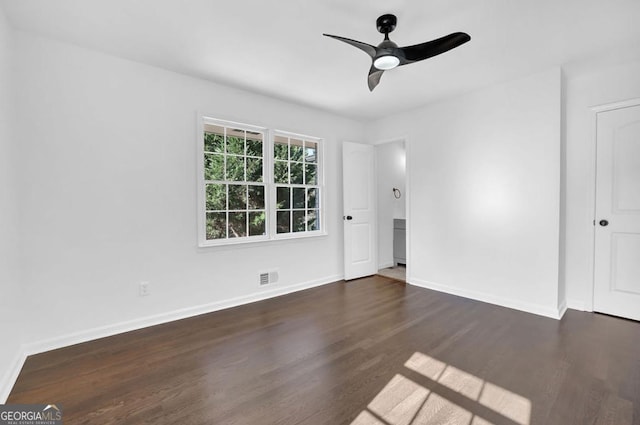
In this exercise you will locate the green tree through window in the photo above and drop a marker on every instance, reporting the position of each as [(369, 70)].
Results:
[(295, 174), (235, 189), (234, 183)]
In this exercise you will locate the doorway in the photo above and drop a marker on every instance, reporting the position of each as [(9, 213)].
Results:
[(359, 215), (617, 214), (392, 209)]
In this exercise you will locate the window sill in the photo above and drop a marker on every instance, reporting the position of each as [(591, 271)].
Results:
[(262, 241)]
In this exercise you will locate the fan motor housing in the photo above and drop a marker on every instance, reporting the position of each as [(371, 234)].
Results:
[(386, 23)]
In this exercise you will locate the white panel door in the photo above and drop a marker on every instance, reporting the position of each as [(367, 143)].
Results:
[(358, 164), (617, 241)]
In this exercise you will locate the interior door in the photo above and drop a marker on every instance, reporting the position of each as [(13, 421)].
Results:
[(617, 238), (360, 231)]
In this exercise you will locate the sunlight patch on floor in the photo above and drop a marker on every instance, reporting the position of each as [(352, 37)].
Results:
[(405, 402), (505, 402), (399, 401), (366, 418)]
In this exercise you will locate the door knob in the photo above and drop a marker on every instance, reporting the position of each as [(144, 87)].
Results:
[(349, 217), (604, 223)]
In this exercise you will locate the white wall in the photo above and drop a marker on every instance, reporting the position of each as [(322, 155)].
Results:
[(108, 154), (485, 186), (391, 173), (11, 300), (583, 91), (105, 192)]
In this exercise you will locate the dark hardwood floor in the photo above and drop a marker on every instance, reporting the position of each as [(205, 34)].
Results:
[(370, 351)]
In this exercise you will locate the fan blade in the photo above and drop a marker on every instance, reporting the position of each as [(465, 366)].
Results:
[(374, 77), (432, 48), (367, 48)]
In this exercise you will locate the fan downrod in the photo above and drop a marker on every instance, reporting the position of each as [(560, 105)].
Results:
[(386, 23)]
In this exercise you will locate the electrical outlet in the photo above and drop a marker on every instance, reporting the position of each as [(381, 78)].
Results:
[(144, 289)]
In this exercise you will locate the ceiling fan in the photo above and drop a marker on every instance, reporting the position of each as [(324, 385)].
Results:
[(387, 55)]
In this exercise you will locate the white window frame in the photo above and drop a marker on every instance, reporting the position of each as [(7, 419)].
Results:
[(269, 184), (319, 185)]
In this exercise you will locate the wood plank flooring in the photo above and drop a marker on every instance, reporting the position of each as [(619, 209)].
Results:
[(370, 351)]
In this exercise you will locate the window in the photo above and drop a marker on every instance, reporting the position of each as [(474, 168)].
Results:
[(257, 188), (234, 188), (295, 174)]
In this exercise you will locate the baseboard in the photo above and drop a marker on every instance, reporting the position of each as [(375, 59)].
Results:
[(385, 265), (158, 319), (118, 328), (554, 313), (577, 305), (562, 309), (9, 379)]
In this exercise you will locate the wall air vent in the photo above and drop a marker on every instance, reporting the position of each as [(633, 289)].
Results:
[(268, 277)]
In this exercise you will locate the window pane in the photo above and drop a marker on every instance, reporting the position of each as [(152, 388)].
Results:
[(298, 197), (281, 172), (216, 225), (296, 173), (237, 197), (237, 224), (235, 168), (282, 221), (298, 221), (257, 224), (236, 191), (216, 197), (281, 148), (312, 220), (256, 197), (214, 142), (296, 150), (312, 197), (311, 174), (254, 169), (254, 145), (283, 199), (235, 144), (311, 151), (213, 167)]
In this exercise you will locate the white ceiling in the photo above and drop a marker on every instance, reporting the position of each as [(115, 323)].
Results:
[(277, 48)]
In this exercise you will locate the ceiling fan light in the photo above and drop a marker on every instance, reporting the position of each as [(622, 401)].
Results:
[(386, 62)]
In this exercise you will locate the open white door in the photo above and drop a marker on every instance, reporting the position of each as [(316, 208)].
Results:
[(617, 241), (360, 229)]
